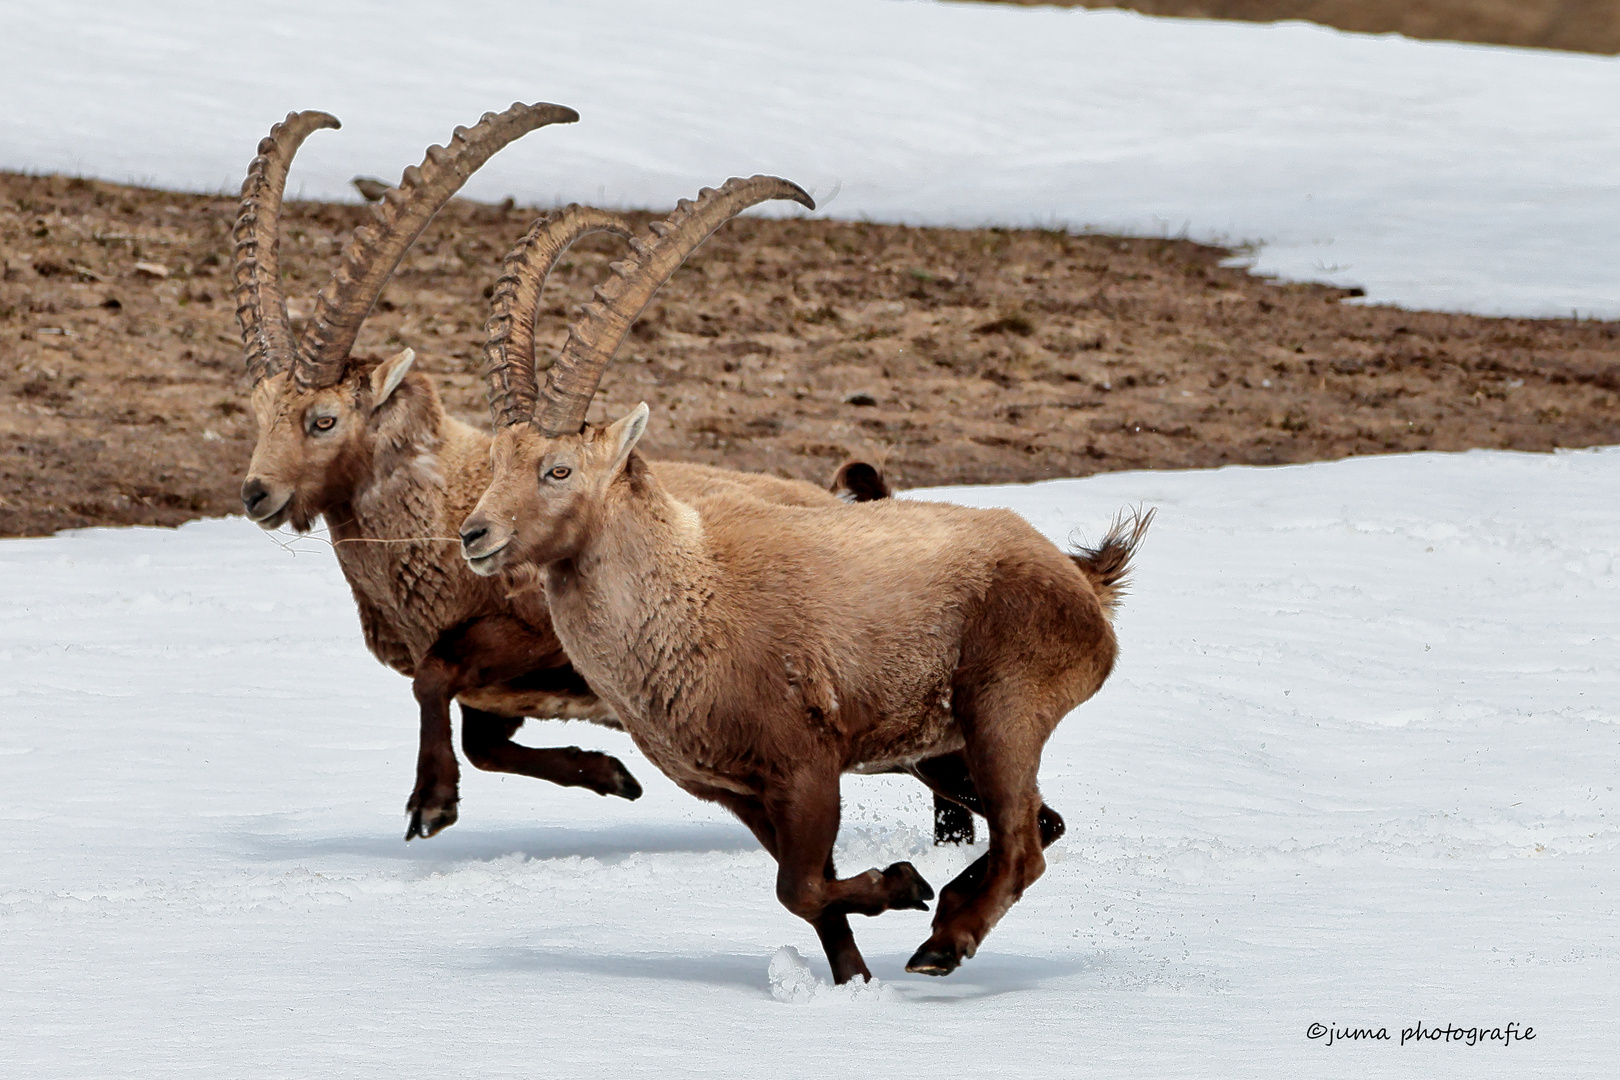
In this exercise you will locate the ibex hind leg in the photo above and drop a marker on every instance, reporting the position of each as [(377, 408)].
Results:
[(487, 741), (948, 776), (1003, 754), (803, 817)]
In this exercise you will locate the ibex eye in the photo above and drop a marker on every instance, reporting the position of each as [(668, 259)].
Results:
[(324, 423), (559, 472)]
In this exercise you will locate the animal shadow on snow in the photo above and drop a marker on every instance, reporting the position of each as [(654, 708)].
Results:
[(462, 845), (988, 976)]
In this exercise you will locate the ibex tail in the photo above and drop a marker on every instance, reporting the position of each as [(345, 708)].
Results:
[(1108, 565)]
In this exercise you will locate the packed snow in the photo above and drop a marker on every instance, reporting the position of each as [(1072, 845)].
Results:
[(1433, 175), (1354, 769)]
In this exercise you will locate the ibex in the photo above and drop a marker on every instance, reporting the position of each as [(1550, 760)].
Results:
[(755, 654), (367, 445)]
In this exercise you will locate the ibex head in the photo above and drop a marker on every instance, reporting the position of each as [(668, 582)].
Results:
[(550, 468), (316, 443), (320, 410), (546, 493)]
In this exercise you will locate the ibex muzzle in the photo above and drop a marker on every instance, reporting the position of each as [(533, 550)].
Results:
[(482, 544)]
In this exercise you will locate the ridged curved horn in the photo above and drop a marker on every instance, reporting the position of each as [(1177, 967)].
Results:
[(596, 334), (509, 357), (374, 250), (603, 323), (261, 306)]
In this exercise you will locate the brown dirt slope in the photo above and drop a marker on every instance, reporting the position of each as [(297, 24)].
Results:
[(954, 356), (1578, 25)]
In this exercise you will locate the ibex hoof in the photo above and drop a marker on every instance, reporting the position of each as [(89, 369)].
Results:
[(625, 786), (909, 889), (426, 822), (935, 961)]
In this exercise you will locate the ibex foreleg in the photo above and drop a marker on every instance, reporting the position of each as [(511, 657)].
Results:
[(832, 927), (797, 822), (487, 741), (432, 805), (484, 653)]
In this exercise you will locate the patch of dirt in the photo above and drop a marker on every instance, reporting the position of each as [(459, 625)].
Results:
[(1577, 25), (783, 346)]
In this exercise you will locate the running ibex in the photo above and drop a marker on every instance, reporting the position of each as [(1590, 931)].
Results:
[(367, 445), (755, 654)]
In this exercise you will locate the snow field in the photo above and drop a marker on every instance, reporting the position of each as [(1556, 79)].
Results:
[(1354, 768), (1434, 175)]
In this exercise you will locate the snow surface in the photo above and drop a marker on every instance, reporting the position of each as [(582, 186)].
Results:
[(1355, 768), (1434, 175)]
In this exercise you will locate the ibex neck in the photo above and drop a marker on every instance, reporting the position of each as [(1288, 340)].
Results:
[(631, 608), (401, 495)]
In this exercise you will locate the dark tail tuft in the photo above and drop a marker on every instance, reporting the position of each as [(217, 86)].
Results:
[(1108, 565), (860, 481)]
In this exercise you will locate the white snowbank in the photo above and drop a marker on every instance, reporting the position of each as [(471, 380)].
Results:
[(1434, 175), (1355, 768)]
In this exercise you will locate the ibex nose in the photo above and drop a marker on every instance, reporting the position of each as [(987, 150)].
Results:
[(253, 495), (481, 545)]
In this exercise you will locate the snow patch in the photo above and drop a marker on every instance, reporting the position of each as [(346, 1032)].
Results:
[(203, 853), (1433, 175), (793, 983)]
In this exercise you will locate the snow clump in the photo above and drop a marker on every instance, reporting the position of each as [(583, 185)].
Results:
[(793, 983)]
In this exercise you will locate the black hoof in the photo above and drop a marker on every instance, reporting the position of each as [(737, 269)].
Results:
[(911, 890), (1051, 823), (928, 961), (628, 787), (430, 822)]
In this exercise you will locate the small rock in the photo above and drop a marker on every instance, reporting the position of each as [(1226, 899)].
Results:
[(1011, 324), (860, 399), (152, 270)]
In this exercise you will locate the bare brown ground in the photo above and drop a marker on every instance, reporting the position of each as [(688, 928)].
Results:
[(1578, 25), (955, 356)]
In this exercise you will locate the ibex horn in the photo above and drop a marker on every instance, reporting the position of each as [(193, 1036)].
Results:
[(604, 322), (374, 250), (261, 306), (509, 356)]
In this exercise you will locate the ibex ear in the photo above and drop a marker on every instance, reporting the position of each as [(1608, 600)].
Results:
[(387, 376), (623, 434)]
